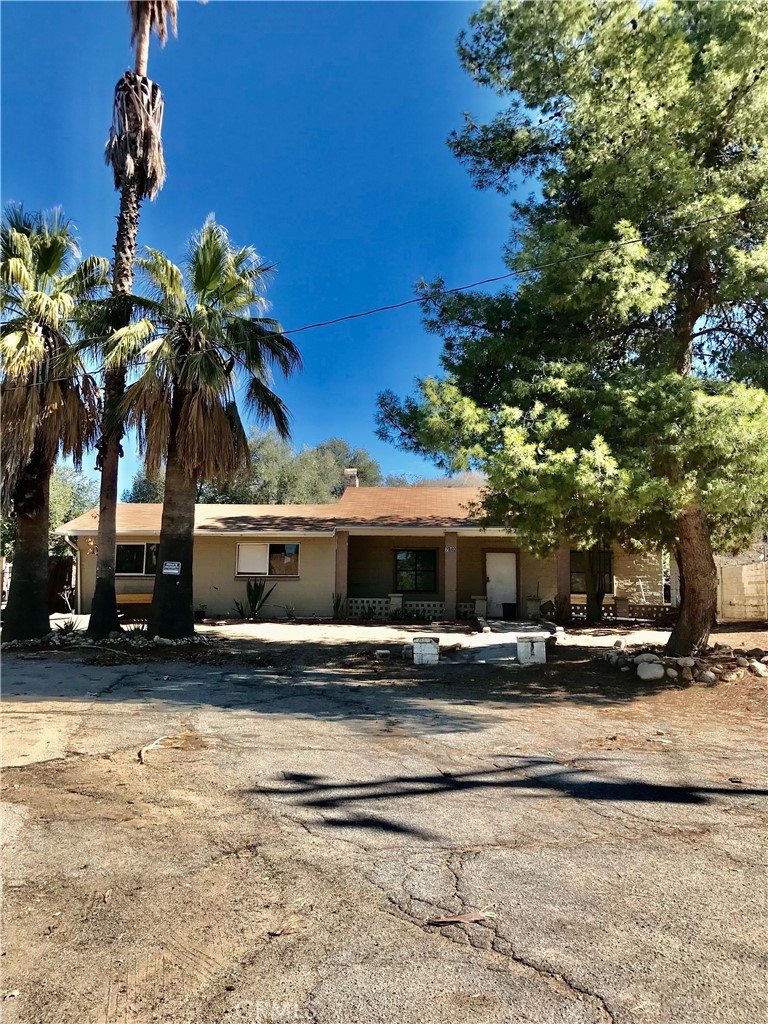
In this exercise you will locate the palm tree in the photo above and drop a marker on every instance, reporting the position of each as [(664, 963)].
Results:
[(135, 153), (49, 402), (197, 336)]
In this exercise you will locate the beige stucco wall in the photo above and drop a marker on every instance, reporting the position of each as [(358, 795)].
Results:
[(215, 583), (371, 572), (742, 592)]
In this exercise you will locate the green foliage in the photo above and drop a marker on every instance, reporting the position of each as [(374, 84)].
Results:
[(71, 494), (256, 596), (194, 336), (143, 489), (605, 396), (339, 604), (279, 474), (67, 627), (610, 456), (49, 401)]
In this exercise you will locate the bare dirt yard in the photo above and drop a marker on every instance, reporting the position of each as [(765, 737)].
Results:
[(279, 826)]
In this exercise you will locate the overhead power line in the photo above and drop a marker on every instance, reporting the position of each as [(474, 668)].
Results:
[(519, 272)]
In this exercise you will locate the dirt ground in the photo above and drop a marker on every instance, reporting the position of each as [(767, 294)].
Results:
[(264, 829)]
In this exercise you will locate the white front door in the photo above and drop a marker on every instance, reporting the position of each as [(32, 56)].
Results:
[(500, 581)]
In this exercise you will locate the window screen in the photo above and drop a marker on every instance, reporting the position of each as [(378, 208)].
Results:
[(416, 571)]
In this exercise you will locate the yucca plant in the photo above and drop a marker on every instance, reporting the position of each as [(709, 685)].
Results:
[(196, 340), (135, 153), (49, 402), (257, 595)]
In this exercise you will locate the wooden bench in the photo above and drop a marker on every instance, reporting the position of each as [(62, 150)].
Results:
[(134, 600)]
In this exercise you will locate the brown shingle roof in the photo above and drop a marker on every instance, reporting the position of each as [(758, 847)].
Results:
[(438, 507), (145, 518), (375, 507)]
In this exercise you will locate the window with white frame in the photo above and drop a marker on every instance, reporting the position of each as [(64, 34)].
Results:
[(267, 560), (136, 559)]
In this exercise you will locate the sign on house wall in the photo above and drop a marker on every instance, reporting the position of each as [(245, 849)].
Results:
[(171, 568)]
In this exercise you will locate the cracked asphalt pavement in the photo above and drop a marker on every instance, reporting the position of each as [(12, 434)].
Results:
[(288, 837)]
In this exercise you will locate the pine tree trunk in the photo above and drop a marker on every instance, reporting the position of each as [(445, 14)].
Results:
[(104, 618), (593, 579), (26, 614), (698, 608), (172, 611)]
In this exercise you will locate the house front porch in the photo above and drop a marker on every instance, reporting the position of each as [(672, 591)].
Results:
[(441, 575)]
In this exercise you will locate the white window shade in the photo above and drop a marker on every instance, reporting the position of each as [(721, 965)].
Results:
[(252, 559)]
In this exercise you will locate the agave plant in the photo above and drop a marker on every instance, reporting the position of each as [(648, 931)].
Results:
[(196, 341), (135, 153), (50, 404)]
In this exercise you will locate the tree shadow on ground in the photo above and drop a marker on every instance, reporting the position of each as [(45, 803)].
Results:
[(518, 777), (443, 698)]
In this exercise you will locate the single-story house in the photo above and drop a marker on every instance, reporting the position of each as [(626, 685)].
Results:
[(386, 550)]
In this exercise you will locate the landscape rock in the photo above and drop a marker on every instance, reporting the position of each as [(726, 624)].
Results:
[(742, 662), (708, 678), (672, 673), (686, 662), (649, 670), (687, 673), (732, 676), (758, 668), (646, 658)]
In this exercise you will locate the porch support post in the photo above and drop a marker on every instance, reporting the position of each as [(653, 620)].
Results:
[(451, 585), (563, 598), (342, 562)]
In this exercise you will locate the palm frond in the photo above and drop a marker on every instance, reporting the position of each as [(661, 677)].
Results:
[(160, 12), (184, 398), (165, 279), (146, 406), (206, 258), (50, 403), (15, 271), (259, 343), (125, 345), (134, 149), (88, 277), (267, 406)]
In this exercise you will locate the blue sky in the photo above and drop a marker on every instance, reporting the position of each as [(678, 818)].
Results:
[(314, 131)]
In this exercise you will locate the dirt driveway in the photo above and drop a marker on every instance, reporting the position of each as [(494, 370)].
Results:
[(292, 831)]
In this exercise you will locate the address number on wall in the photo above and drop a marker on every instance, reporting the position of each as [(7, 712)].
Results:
[(450, 549)]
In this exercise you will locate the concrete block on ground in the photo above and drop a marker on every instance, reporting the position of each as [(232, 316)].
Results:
[(426, 650), (532, 650)]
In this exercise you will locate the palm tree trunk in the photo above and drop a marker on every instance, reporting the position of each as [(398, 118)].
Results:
[(104, 618), (26, 614), (172, 611), (698, 608), (142, 42)]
